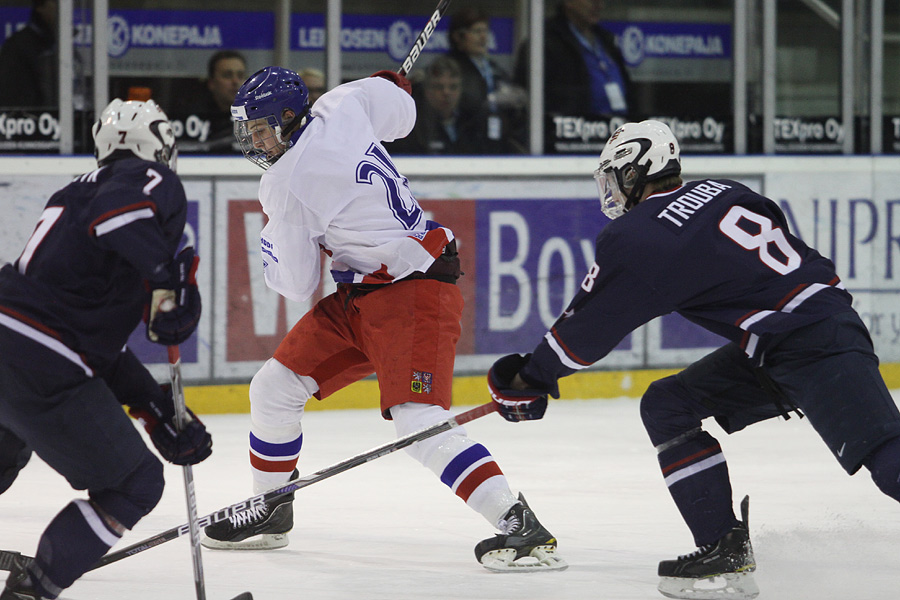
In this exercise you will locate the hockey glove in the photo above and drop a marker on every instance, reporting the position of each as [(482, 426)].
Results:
[(514, 404), (175, 303), (397, 79), (189, 446)]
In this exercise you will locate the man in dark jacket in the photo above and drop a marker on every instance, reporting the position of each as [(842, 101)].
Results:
[(28, 61), (584, 72)]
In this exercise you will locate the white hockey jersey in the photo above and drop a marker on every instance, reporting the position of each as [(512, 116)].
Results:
[(337, 189)]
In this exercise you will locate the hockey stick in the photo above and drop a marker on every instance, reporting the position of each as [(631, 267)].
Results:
[(181, 419), (423, 38), (295, 484)]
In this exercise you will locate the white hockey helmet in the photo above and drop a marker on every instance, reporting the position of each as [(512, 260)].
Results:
[(636, 154), (139, 128)]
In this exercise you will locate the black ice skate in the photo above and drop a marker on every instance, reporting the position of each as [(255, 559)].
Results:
[(17, 584), (261, 528), (524, 544), (722, 570)]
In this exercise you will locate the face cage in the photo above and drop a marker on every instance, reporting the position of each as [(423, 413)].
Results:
[(260, 140), (612, 200)]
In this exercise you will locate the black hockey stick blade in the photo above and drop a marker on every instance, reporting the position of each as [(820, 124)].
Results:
[(243, 596), (300, 483), (7, 559)]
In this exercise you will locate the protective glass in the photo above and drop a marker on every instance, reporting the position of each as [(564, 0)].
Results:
[(260, 140), (612, 200)]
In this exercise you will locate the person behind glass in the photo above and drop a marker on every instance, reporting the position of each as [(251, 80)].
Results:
[(442, 126), (225, 72), (28, 61), (584, 71), (211, 106), (486, 87), (315, 83)]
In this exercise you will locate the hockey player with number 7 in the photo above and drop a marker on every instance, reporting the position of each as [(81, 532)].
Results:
[(101, 256), (331, 187), (720, 255)]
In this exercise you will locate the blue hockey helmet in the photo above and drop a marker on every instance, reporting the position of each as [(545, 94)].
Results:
[(268, 108), (636, 154)]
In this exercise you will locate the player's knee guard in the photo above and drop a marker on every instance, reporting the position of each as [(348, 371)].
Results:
[(665, 412), (278, 397), (135, 496), (884, 464), (413, 416)]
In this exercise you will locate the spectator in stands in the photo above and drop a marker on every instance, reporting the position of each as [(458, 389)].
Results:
[(486, 87), (28, 73), (226, 70), (442, 126), (584, 72), (315, 83)]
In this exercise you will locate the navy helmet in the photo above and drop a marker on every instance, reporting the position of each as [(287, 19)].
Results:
[(261, 122)]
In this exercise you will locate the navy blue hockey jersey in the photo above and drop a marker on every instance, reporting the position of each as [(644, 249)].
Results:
[(713, 251), (79, 288)]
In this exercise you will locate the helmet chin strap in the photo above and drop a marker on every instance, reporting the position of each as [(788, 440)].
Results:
[(633, 196), (296, 123)]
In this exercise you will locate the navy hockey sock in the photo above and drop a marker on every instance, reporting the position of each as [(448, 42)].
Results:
[(76, 538), (697, 476), (884, 464)]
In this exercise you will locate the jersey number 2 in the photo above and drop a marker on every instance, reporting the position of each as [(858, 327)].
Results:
[(400, 200), (730, 226)]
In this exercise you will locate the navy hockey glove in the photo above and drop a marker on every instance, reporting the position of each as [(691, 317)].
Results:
[(175, 303), (397, 79), (515, 405), (189, 446)]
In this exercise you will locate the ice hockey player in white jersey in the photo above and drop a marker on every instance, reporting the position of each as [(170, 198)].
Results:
[(331, 187)]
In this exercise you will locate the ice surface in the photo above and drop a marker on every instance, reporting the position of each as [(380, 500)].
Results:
[(390, 530)]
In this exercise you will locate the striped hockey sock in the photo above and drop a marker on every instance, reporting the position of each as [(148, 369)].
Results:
[(696, 474)]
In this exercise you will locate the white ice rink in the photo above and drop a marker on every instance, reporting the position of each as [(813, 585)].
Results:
[(390, 530)]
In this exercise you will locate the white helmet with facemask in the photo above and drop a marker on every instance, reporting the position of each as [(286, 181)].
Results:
[(135, 128), (636, 154)]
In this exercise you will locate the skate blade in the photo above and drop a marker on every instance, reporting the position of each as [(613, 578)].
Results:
[(265, 541), (729, 586), (542, 558)]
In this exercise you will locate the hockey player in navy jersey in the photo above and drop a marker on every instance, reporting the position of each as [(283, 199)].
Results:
[(720, 255), (101, 256), (331, 187)]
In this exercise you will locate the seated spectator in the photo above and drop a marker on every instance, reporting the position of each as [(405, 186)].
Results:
[(486, 87), (28, 69), (442, 127), (206, 121), (584, 71), (315, 83)]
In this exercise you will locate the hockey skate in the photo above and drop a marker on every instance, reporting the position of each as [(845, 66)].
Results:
[(524, 544), (722, 570), (263, 527), (17, 587)]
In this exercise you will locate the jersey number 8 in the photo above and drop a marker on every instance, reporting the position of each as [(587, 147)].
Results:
[(730, 226)]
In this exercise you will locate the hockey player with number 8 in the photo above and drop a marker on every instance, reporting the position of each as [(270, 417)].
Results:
[(331, 187), (720, 255)]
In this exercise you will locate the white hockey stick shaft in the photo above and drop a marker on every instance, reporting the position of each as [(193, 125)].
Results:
[(181, 420), (423, 38)]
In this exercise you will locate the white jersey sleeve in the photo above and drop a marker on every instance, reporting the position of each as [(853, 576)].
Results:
[(390, 110), (338, 189)]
